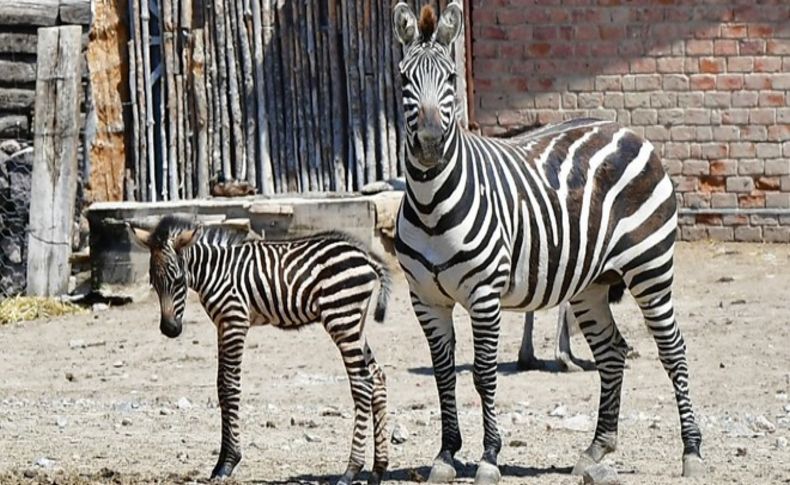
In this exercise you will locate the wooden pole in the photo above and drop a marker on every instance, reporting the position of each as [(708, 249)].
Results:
[(367, 73), (200, 112), (54, 178), (169, 101), (338, 107), (264, 156), (243, 21)]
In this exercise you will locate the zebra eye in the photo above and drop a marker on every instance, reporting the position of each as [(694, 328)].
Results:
[(451, 77), (404, 79)]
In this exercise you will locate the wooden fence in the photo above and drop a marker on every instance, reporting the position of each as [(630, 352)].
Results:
[(289, 95)]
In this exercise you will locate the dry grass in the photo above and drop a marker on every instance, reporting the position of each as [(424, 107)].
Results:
[(21, 308)]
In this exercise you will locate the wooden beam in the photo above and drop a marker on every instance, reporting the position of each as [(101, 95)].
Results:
[(17, 71), (54, 179), (13, 126), (29, 12), (17, 43), (15, 99), (75, 12)]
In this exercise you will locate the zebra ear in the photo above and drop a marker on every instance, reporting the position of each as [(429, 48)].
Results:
[(405, 23), (140, 237), (450, 24), (184, 239)]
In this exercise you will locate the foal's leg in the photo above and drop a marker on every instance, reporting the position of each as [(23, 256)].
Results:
[(344, 325), (562, 350), (526, 354), (591, 309), (379, 403), (230, 339)]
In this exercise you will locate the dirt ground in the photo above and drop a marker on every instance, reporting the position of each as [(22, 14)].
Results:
[(105, 398)]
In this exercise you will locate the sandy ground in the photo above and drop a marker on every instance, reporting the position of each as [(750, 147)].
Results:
[(95, 398)]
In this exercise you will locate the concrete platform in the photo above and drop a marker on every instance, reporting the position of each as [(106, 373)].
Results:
[(116, 260)]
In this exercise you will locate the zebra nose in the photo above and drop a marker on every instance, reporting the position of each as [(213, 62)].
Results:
[(430, 135), (170, 327)]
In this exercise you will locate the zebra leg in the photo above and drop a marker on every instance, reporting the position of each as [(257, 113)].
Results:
[(230, 338), (345, 328), (562, 350), (526, 354), (379, 404), (591, 309), (654, 298), (485, 316), (437, 325)]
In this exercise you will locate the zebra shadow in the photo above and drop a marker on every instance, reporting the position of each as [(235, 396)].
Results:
[(508, 368), (420, 474)]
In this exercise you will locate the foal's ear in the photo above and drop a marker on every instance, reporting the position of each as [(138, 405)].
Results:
[(405, 23), (184, 239), (141, 237), (450, 24)]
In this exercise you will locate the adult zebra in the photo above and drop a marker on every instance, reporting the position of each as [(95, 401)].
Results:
[(327, 278), (559, 214)]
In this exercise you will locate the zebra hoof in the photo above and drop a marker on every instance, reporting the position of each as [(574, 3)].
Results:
[(693, 466), (585, 461), (348, 477), (225, 465), (487, 474), (441, 472)]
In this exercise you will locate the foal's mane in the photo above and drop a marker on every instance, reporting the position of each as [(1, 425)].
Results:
[(171, 225)]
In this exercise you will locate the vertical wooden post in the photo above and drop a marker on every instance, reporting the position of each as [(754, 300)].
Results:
[(54, 179)]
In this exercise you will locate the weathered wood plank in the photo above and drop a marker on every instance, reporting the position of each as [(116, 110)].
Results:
[(13, 126), (15, 99), (29, 12), (54, 179), (75, 12), (17, 43), (17, 71)]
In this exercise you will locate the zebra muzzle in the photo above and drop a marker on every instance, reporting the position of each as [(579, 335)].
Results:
[(170, 327)]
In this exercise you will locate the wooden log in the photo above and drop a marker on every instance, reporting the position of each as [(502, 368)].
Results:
[(221, 89), (390, 69), (17, 43), (303, 135), (246, 75), (324, 101), (201, 124), (288, 108), (16, 99), (236, 117), (145, 41), (338, 107), (367, 73), (380, 70), (169, 101), (14, 126), (17, 71), (29, 12), (75, 12), (54, 178), (311, 98), (184, 182), (264, 161), (138, 167), (212, 95), (274, 115)]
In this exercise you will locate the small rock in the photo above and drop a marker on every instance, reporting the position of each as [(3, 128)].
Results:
[(9, 147), (740, 451), (559, 411), (183, 404), (76, 343), (331, 412), (311, 438), (164, 411), (721, 365), (215, 451), (518, 443), (580, 422), (270, 424), (632, 354), (154, 378), (126, 422), (421, 422), (70, 377), (45, 462), (100, 307), (182, 456), (761, 423), (62, 422), (787, 408), (117, 363), (781, 442), (30, 473), (399, 434), (600, 474), (725, 279)]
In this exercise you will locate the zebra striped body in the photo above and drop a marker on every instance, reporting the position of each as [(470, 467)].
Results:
[(556, 215), (326, 278)]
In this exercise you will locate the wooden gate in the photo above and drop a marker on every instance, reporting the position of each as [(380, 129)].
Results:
[(289, 95)]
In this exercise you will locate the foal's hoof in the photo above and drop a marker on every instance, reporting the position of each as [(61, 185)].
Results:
[(347, 478), (441, 472), (585, 461), (487, 474), (225, 466), (693, 466), (375, 478)]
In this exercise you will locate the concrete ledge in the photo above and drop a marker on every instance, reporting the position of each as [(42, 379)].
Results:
[(115, 260)]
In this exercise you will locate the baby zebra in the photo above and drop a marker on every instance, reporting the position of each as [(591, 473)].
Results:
[(243, 281)]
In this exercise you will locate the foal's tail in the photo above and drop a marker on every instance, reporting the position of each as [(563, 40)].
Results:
[(385, 286)]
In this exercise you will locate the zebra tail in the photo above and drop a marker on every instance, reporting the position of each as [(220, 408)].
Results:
[(385, 286)]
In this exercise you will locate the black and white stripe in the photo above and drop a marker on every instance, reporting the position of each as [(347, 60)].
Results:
[(327, 278), (556, 215)]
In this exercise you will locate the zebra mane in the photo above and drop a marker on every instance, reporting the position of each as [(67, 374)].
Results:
[(427, 23), (171, 225)]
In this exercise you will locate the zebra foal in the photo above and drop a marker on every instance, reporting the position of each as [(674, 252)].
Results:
[(243, 282), (559, 214)]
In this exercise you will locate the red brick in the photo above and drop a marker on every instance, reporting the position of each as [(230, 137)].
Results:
[(729, 82), (778, 46), (768, 183), (587, 32), (750, 47), (511, 16), (722, 167), (643, 65), (669, 65), (734, 31), (757, 81), (698, 47), (603, 49), (725, 47), (712, 183), (708, 219), (491, 32), (740, 64), (612, 32), (761, 30), (540, 49), (767, 64), (543, 33), (749, 201), (711, 65), (772, 98), (702, 81)]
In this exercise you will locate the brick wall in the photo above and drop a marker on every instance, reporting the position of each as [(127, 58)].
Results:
[(708, 82)]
